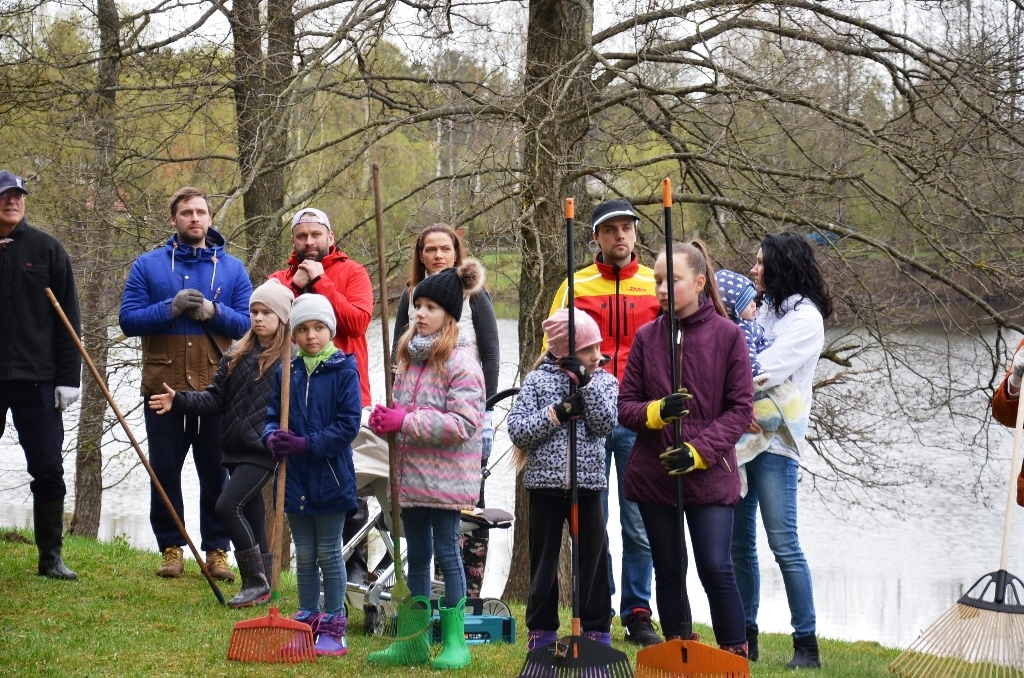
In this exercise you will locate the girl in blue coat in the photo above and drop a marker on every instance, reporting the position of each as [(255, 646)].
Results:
[(320, 489)]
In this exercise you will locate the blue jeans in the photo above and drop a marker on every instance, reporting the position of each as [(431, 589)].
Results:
[(772, 481), (318, 551), (430, 532), (636, 551), (170, 437)]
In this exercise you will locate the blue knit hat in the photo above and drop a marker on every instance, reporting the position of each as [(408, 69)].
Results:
[(737, 291)]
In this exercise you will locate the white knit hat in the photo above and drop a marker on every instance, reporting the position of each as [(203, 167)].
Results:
[(313, 306), (274, 296)]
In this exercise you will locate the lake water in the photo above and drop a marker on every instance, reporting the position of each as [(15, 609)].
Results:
[(878, 574)]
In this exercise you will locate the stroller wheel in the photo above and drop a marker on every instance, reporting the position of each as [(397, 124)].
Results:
[(370, 614), (497, 607)]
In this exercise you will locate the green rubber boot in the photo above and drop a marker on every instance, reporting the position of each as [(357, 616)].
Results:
[(413, 643), (454, 652)]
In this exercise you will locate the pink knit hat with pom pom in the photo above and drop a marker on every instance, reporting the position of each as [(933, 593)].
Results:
[(556, 328)]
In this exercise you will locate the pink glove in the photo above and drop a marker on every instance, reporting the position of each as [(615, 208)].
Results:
[(384, 420)]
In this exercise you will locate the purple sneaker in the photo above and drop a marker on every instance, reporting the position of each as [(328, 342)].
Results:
[(604, 638), (539, 638)]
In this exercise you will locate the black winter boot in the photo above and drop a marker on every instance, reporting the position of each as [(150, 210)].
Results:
[(255, 589), (49, 526), (805, 653), (752, 649), (268, 565)]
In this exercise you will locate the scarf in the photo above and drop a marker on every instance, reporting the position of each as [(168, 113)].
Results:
[(420, 347), (313, 359)]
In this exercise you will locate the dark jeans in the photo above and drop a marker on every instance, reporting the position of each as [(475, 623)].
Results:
[(240, 508), (40, 432), (170, 437), (711, 533), (548, 513)]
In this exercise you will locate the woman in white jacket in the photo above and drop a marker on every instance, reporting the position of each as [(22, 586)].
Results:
[(795, 305)]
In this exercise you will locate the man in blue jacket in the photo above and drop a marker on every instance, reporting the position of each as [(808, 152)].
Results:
[(180, 298), (40, 367)]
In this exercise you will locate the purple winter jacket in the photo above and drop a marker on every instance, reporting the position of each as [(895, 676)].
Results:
[(716, 370)]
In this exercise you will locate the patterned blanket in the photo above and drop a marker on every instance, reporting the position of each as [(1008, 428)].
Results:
[(779, 412)]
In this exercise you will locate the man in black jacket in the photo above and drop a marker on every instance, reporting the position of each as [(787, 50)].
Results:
[(40, 367)]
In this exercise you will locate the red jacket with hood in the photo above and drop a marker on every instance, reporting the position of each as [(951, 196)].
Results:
[(346, 284)]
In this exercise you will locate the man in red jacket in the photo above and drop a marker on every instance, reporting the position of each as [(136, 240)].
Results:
[(316, 265)]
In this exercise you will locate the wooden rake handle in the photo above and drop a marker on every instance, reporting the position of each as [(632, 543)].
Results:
[(138, 450)]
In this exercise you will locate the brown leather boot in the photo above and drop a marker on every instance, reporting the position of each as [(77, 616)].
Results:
[(217, 563), (173, 564)]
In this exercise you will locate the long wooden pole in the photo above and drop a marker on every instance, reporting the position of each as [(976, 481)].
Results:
[(138, 449), (401, 589)]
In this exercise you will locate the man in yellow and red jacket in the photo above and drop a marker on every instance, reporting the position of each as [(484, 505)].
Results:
[(618, 292)]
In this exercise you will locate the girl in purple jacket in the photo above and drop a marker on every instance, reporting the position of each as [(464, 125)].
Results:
[(714, 412)]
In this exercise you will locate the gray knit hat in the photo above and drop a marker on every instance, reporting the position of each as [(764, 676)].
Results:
[(274, 296), (313, 306)]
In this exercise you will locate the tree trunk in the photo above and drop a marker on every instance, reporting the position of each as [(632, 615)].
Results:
[(558, 35), (261, 113), (94, 263)]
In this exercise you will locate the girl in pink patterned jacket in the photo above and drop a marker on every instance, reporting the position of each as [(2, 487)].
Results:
[(437, 414)]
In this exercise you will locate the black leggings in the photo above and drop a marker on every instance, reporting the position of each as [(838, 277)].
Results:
[(240, 507), (548, 513), (711, 535)]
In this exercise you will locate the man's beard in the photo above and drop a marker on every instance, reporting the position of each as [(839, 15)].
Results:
[(316, 254)]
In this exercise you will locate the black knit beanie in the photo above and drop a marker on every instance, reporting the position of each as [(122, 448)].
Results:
[(448, 288)]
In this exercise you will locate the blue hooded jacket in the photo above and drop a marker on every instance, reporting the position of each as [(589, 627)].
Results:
[(325, 407), (176, 350)]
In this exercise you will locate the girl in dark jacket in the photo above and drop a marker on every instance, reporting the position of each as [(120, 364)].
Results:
[(714, 411), (325, 404), (241, 390)]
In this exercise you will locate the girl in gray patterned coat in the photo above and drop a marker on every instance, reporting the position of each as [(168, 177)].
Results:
[(538, 426), (241, 390)]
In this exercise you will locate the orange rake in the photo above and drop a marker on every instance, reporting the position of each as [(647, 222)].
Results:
[(275, 639), (689, 659)]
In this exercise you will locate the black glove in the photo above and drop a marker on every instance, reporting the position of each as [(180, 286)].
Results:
[(678, 460), (571, 407), (574, 369), (674, 406)]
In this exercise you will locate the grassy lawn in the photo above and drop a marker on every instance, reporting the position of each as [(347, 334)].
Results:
[(120, 619)]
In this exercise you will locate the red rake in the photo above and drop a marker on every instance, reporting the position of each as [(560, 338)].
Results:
[(275, 639)]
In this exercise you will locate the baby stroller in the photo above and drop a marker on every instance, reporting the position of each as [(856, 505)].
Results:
[(373, 595)]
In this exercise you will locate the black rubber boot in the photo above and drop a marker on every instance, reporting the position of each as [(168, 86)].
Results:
[(255, 589), (268, 565), (805, 653), (49, 526), (752, 650)]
